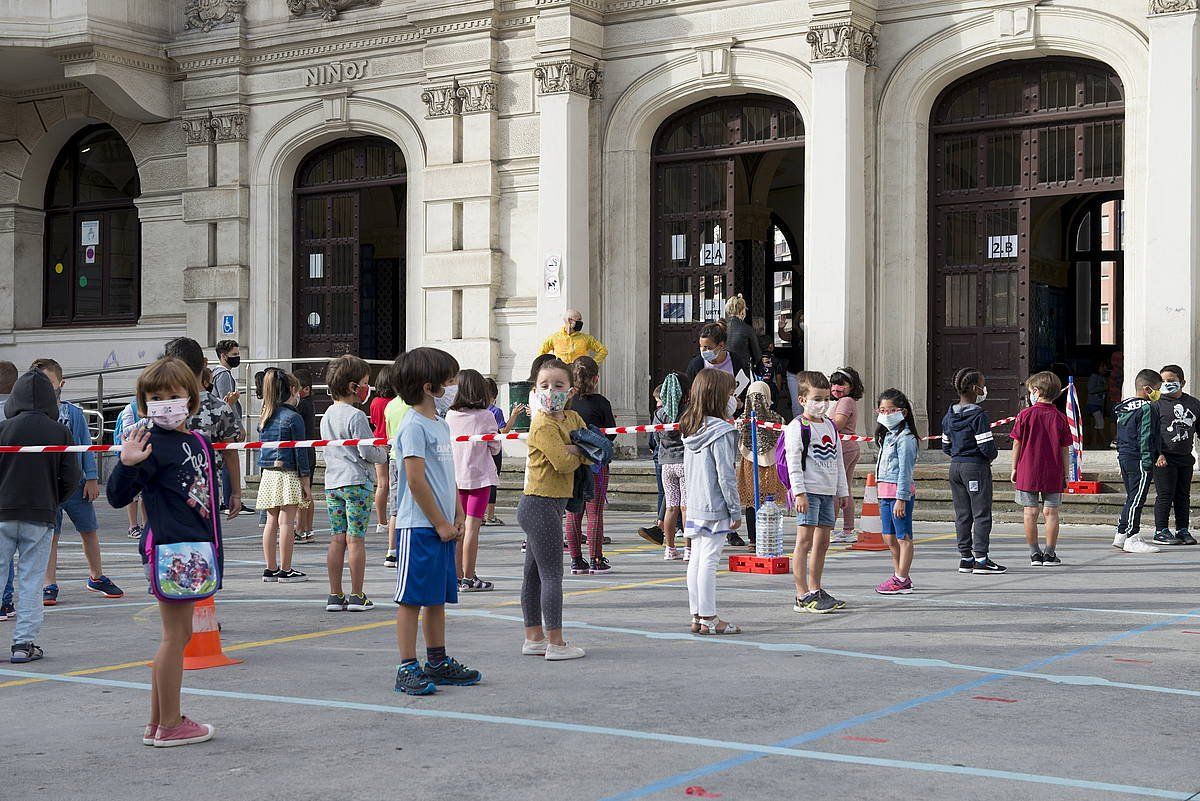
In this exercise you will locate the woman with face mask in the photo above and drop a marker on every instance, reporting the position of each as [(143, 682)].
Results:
[(715, 355)]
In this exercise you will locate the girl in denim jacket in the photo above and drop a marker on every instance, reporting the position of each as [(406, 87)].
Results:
[(286, 472), (897, 440)]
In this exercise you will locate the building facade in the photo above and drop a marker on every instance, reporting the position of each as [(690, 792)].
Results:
[(906, 186)]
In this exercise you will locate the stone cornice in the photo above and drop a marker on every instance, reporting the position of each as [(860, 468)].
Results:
[(124, 58), (1172, 6), (441, 101), (844, 40), (568, 75)]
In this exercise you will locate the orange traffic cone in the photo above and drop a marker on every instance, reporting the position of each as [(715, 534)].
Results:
[(871, 536), (204, 648)]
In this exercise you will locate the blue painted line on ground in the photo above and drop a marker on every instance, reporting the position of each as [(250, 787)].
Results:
[(836, 728), (753, 750), (921, 598)]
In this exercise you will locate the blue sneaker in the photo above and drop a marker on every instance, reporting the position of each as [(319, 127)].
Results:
[(411, 680), (105, 587), (451, 671), (50, 595)]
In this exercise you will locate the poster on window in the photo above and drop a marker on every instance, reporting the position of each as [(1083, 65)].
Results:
[(89, 232), (674, 308)]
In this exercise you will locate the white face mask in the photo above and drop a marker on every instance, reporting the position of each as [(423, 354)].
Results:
[(168, 414), (890, 419), (730, 407), (815, 408), (982, 396), (1034, 398), (444, 401), (1171, 387)]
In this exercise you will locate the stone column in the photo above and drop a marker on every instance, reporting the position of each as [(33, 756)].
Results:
[(566, 88), (216, 281), (835, 263), (1161, 314)]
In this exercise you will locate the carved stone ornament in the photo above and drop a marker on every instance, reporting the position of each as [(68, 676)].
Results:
[(844, 40), (196, 130), (1172, 6), (204, 15), (328, 9), (556, 77), (208, 128), (440, 101), (476, 97)]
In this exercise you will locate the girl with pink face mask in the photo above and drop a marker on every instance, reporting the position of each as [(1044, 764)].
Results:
[(845, 391)]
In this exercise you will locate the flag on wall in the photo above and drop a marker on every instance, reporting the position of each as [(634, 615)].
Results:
[(1075, 421)]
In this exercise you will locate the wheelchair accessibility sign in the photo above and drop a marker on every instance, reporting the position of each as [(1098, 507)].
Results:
[(227, 326)]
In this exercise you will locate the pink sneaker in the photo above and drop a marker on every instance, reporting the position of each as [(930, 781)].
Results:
[(148, 734), (186, 733), (895, 586)]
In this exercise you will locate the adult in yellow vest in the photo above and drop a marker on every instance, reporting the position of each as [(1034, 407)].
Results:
[(569, 343)]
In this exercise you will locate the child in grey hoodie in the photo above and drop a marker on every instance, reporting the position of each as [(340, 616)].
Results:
[(714, 509)]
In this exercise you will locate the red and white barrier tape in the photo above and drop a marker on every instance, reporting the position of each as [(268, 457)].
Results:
[(383, 442)]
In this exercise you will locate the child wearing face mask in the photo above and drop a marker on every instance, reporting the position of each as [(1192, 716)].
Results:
[(846, 390), (967, 438), (1138, 447), (549, 483), (758, 400), (1178, 413), (1041, 437), (429, 521), (172, 469), (349, 490), (897, 440), (595, 410), (818, 480), (285, 481)]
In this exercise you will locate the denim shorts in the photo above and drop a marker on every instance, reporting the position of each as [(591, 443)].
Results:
[(1035, 499), (81, 511), (898, 527), (820, 512)]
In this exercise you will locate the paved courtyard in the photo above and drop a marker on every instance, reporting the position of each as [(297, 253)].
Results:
[(1070, 683)]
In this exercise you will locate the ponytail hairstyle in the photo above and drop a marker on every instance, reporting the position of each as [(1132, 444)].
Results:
[(710, 393), (901, 402), (850, 377), (278, 386), (584, 375), (967, 383)]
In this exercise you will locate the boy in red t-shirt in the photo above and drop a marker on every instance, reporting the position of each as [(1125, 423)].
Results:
[(1041, 437)]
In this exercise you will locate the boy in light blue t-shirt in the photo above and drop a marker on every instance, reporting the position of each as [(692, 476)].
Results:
[(429, 520)]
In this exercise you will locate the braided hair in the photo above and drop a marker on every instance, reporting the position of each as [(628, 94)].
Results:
[(968, 381)]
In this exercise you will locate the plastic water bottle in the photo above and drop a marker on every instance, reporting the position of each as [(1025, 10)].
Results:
[(769, 529)]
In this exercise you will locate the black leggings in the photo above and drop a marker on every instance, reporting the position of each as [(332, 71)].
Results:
[(1173, 485)]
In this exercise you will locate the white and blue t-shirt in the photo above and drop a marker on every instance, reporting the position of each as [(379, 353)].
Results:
[(430, 440)]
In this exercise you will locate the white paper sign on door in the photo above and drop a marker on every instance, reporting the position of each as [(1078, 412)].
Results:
[(316, 266), (1002, 247), (89, 232)]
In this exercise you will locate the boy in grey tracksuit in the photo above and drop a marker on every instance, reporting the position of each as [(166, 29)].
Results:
[(967, 438)]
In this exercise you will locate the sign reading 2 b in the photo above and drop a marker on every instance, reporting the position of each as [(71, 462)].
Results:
[(1002, 247)]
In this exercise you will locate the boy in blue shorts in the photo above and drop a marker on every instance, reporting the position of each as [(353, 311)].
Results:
[(429, 520), (78, 506)]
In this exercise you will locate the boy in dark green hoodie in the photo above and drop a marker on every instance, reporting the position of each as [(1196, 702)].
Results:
[(1138, 448)]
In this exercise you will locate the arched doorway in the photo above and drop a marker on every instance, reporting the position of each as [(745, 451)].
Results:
[(350, 242), (1021, 155), (92, 266), (728, 193)]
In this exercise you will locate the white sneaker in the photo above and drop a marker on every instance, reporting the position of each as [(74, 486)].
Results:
[(1119, 541), (380, 529), (671, 554), (687, 554), (534, 648), (842, 537), (1136, 544), (559, 653)]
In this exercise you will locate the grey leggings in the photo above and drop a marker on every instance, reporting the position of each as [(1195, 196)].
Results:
[(541, 592)]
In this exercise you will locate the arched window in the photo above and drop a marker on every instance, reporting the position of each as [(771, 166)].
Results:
[(92, 237)]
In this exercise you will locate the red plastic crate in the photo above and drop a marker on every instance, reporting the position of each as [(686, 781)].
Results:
[(1083, 487), (768, 565)]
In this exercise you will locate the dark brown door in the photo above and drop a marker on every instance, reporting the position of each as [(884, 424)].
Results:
[(980, 299), (327, 275)]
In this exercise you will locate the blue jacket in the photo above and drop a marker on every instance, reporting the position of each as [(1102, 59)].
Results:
[(897, 458), (967, 435), (72, 417), (285, 425)]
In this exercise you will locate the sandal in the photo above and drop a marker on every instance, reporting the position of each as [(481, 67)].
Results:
[(479, 585), (716, 626), (466, 585), (696, 624)]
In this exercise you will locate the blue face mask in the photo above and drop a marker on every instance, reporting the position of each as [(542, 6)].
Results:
[(709, 356), (1171, 387)]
